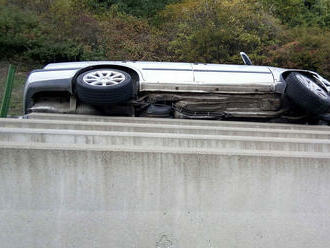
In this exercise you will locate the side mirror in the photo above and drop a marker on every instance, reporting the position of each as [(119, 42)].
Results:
[(245, 58)]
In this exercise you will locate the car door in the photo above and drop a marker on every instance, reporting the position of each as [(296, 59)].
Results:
[(233, 78), (160, 76)]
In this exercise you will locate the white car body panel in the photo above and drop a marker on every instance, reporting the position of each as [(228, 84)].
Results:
[(234, 78), (182, 77), (47, 75), (231, 74), (175, 73)]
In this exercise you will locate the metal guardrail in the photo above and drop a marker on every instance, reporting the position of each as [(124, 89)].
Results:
[(7, 94)]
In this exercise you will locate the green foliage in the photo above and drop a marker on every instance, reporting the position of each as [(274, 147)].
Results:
[(143, 8), (43, 39), (300, 12), (216, 31), (130, 37), (16, 29), (138, 8), (58, 52), (306, 49), (287, 33)]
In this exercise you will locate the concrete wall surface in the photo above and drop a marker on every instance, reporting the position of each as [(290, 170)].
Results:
[(141, 139), (82, 196), (162, 128), (169, 121)]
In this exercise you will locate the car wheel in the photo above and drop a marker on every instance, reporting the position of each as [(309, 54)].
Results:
[(304, 91), (104, 86)]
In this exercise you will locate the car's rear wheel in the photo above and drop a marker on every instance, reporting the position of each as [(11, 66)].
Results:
[(305, 92), (104, 86)]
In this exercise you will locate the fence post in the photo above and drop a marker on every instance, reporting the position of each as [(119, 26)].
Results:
[(7, 94)]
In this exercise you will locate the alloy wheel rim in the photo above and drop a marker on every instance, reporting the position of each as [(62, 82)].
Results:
[(104, 78)]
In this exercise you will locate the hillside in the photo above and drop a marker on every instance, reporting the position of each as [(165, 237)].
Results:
[(292, 33)]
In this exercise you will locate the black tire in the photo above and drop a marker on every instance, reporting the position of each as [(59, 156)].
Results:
[(307, 94), (104, 94)]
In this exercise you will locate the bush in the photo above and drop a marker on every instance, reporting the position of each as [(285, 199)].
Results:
[(18, 30), (300, 12), (137, 8), (54, 37), (306, 49), (287, 33), (216, 31)]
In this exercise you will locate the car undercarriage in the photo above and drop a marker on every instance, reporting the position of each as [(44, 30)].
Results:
[(256, 107)]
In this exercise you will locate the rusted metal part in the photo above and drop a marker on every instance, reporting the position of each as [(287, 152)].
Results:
[(219, 106), (247, 88), (53, 106), (195, 106)]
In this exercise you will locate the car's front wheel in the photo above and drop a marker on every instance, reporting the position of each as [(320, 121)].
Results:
[(305, 92), (104, 86)]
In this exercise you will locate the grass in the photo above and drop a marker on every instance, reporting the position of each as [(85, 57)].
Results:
[(16, 101)]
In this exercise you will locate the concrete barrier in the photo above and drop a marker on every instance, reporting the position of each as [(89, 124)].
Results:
[(154, 128), (168, 121), (82, 196), (162, 139), (162, 183)]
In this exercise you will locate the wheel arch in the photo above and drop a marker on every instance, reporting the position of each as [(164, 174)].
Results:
[(135, 74), (286, 73)]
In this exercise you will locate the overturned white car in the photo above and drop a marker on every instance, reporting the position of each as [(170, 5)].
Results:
[(179, 90)]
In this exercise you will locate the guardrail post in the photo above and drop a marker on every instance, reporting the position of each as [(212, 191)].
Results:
[(7, 94)]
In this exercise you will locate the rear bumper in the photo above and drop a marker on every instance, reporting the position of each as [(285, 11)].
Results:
[(47, 81)]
